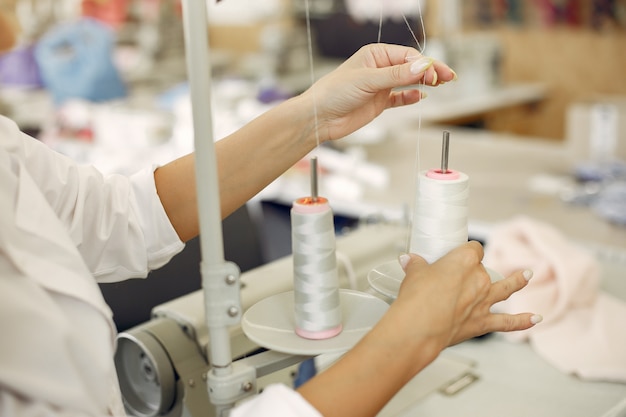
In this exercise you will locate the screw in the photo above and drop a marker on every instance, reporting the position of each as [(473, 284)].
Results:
[(247, 386), (231, 279), (191, 383), (233, 311)]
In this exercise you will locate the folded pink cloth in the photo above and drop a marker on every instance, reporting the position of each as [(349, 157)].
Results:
[(584, 329)]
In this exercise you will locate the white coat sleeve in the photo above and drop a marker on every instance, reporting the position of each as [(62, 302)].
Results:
[(117, 223), (276, 400)]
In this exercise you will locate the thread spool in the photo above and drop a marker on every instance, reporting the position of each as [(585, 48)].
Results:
[(316, 281), (441, 213)]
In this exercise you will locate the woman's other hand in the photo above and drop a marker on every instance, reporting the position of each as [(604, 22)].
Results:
[(453, 297)]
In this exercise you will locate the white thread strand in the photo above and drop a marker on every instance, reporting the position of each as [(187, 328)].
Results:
[(312, 72), (380, 22), (316, 281), (421, 47), (440, 216), (416, 168)]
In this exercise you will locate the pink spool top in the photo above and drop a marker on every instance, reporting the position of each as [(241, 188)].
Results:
[(438, 174), (310, 205)]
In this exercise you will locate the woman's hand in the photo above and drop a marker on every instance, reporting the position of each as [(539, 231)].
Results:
[(363, 86), (451, 298), (439, 304)]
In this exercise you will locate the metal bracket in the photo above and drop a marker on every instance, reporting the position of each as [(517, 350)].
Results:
[(222, 296), (242, 382), (229, 388)]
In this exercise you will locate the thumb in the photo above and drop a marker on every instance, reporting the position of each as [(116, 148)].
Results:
[(408, 260), (401, 75)]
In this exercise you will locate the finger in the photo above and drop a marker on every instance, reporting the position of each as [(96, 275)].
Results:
[(430, 77), (392, 72), (503, 289), (512, 322), (404, 75), (410, 260), (394, 54), (444, 72), (438, 73), (470, 253), (405, 97), (380, 55), (405, 66)]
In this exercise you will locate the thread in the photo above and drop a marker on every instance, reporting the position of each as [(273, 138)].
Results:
[(312, 71), (317, 305), (440, 213), (421, 46)]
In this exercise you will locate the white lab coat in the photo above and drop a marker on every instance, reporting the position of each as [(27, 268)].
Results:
[(61, 226)]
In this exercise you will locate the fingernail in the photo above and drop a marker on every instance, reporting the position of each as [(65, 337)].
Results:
[(528, 274), (421, 65), (536, 318), (435, 77), (423, 95), (455, 76), (404, 260)]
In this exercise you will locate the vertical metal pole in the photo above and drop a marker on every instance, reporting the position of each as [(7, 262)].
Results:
[(314, 187), (445, 151), (211, 244)]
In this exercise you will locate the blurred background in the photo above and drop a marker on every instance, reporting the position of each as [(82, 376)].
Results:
[(537, 121), (574, 48), (104, 81)]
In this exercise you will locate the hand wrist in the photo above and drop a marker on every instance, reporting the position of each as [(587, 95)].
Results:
[(304, 107), (412, 348)]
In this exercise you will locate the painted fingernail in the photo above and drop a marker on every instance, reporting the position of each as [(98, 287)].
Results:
[(404, 260), (435, 77), (536, 318), (421, 65), (528, 274)]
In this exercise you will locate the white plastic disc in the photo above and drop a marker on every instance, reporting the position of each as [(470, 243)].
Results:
[(386, 278), (270, 323)]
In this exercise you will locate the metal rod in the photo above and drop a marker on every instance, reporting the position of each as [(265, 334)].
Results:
[(199, 75), (314, 188), (211, 244), (445, 150)]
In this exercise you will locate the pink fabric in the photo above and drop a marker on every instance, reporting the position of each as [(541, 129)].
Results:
[(584, 329)]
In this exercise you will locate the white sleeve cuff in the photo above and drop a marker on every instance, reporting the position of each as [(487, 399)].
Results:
[(162, 242), (277, 400)]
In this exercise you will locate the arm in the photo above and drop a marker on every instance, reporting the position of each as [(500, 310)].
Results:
[(346, 99), (439, 305)]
